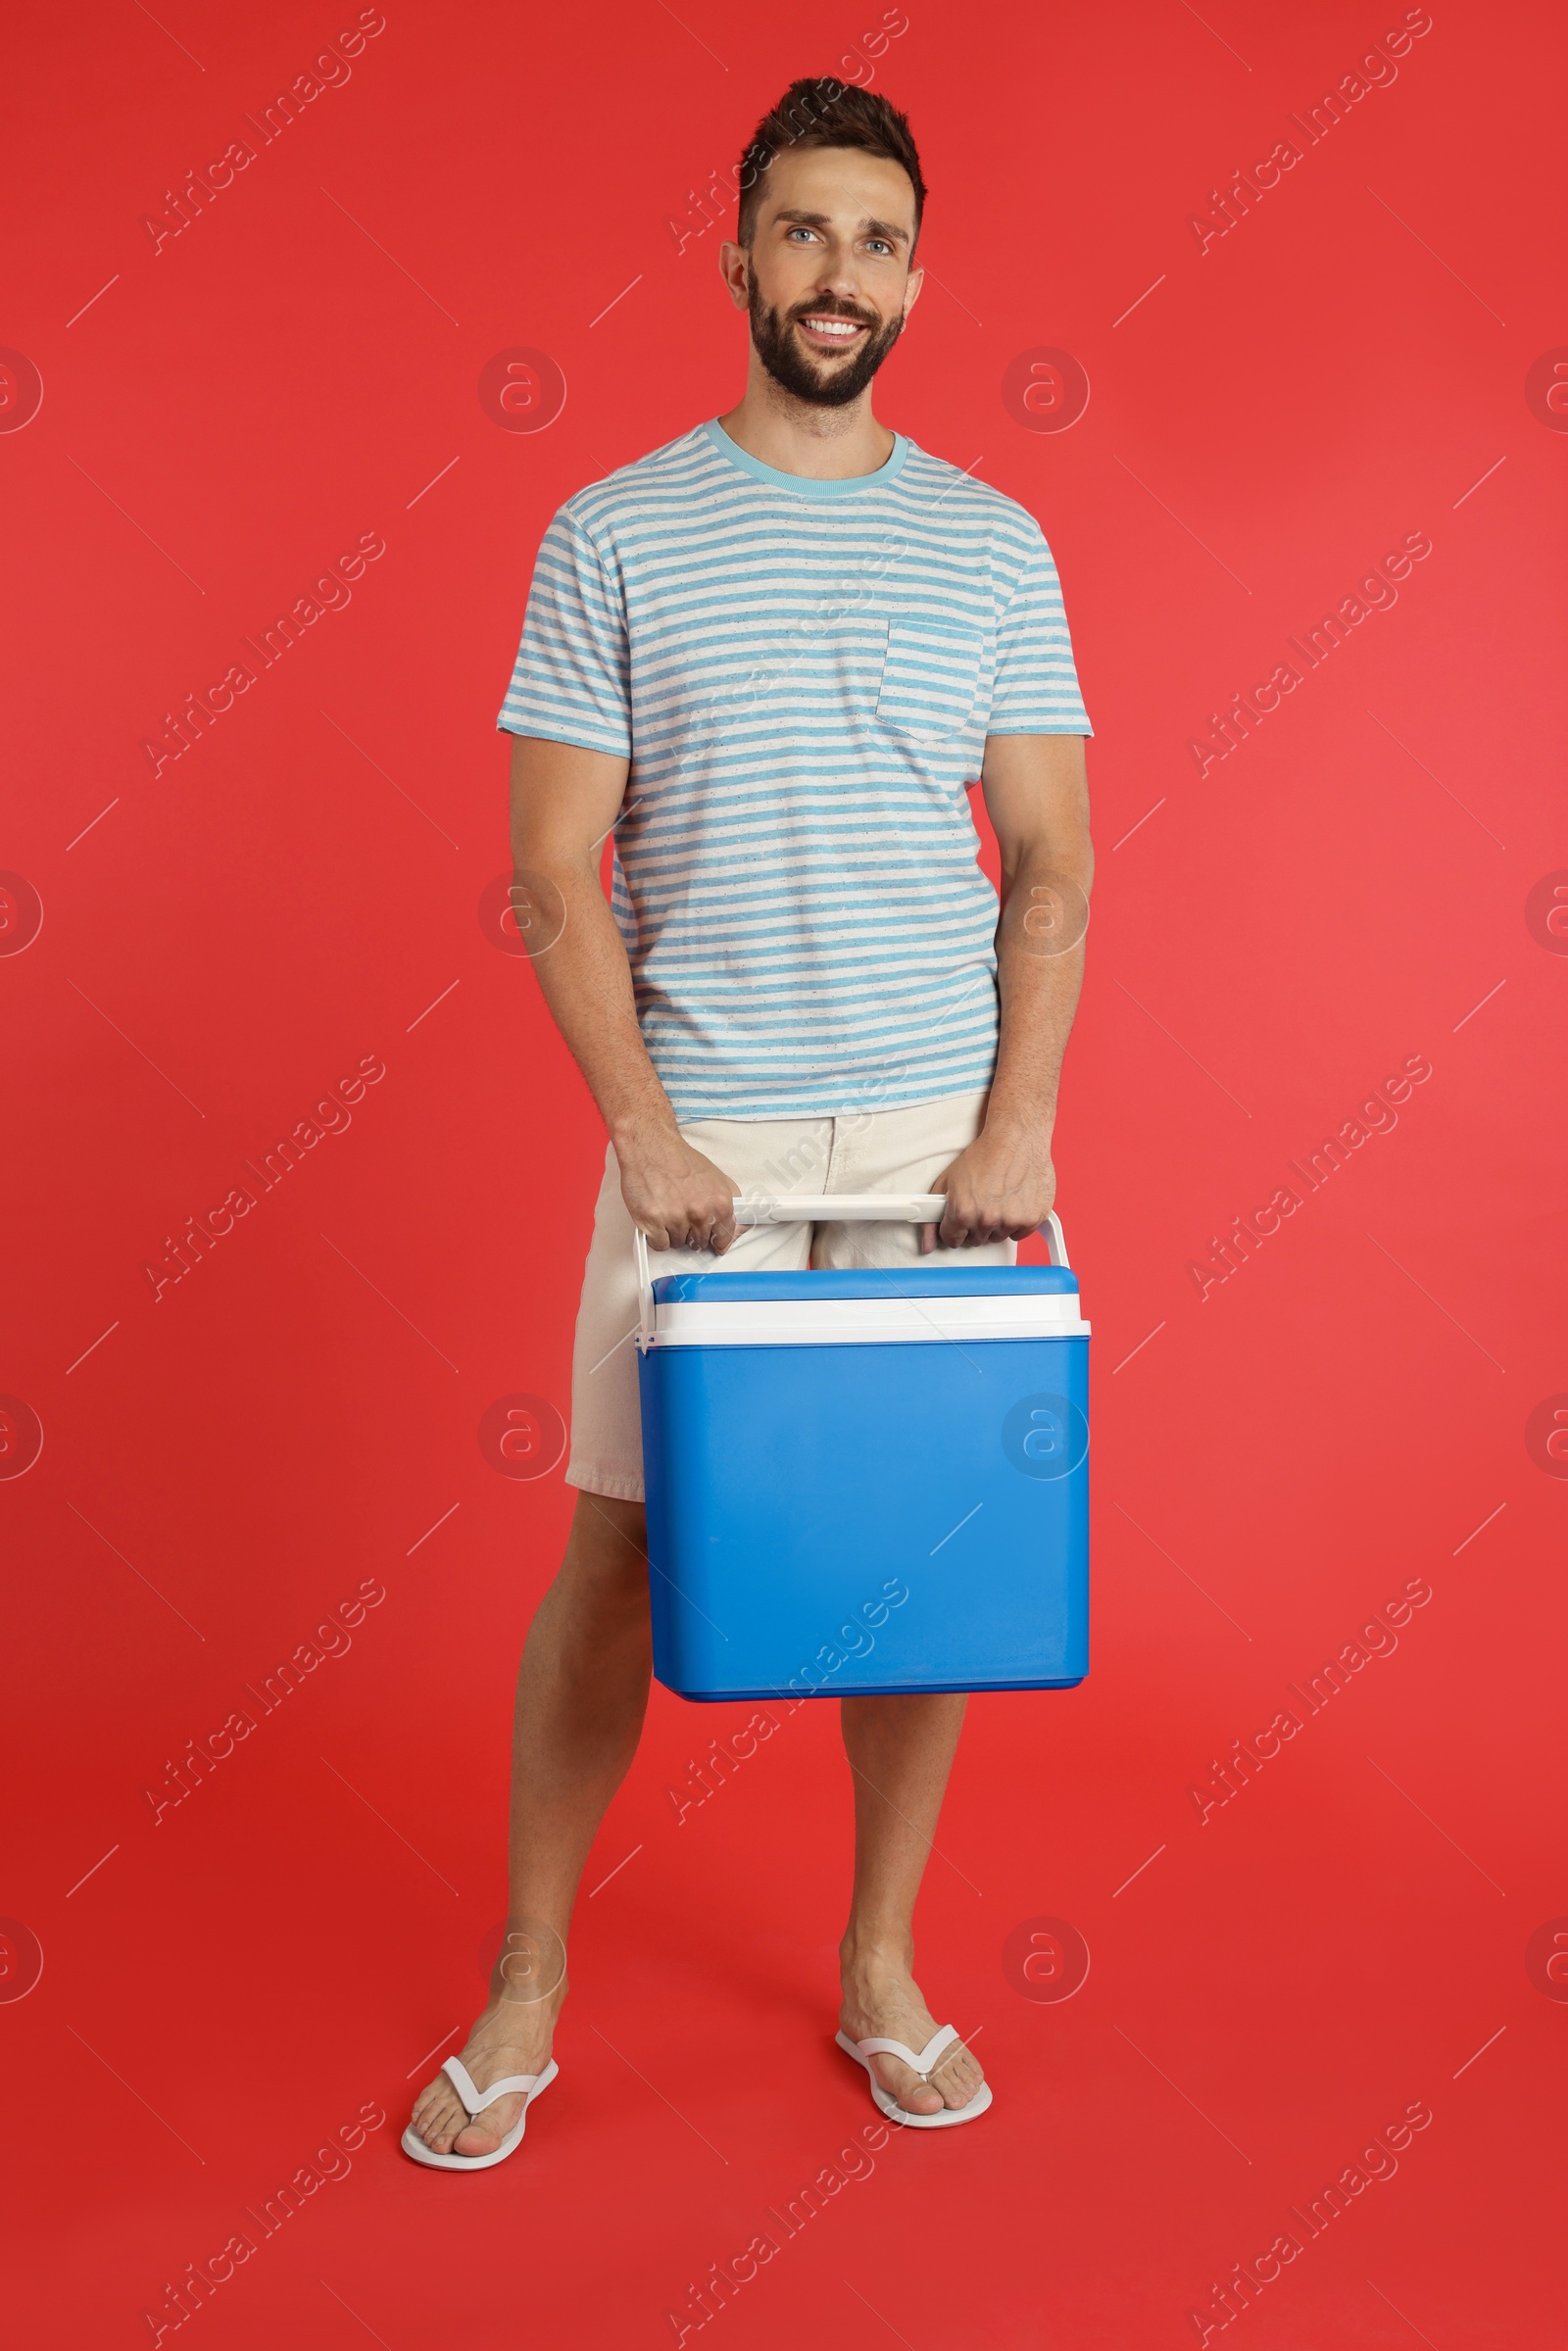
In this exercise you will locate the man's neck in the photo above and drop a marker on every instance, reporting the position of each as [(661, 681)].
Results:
[(826, 444)]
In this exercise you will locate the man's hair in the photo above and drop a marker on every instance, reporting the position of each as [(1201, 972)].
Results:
[(821, 112)]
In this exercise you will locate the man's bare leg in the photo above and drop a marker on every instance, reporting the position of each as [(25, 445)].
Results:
[(582, 1691), (899, 1750)]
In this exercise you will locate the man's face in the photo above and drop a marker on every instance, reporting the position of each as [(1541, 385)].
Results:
[(829, 282)]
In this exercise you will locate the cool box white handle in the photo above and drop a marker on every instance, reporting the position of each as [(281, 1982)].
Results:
[(832, 1207)]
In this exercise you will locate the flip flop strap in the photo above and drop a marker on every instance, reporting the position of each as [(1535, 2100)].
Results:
[(920, 2060), (474, 2099)]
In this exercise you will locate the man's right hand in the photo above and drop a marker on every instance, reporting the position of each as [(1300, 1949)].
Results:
[(680, 1199)]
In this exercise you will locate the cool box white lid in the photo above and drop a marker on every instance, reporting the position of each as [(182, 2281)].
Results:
[(845, 1321)]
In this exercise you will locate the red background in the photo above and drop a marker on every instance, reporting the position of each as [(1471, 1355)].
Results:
[(224, 417)]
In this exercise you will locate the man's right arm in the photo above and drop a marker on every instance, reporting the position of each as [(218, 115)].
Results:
[(564, 801)]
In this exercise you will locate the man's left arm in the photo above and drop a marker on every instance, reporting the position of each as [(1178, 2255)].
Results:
[(1036, 797)]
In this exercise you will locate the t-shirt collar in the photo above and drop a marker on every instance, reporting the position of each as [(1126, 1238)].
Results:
[(806, 485)]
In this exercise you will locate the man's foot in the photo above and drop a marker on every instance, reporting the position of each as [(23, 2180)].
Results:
[(512, 2036), (882, 2002)]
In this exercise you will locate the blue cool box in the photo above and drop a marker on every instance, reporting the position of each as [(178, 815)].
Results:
[(863, 1482)]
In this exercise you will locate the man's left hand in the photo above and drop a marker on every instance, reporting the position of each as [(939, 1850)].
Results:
[(1000, 1189)]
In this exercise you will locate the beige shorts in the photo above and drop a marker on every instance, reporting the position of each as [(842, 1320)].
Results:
[(870, 1151)]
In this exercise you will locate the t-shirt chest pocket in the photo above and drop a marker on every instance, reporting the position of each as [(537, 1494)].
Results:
[(930, 678)]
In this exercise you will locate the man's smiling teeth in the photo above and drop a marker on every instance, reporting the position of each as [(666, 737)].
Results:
[(842, 328)]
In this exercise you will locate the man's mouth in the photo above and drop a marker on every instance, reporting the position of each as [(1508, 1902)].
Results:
[(826, 332)]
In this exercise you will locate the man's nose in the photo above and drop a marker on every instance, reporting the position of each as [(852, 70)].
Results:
[(840, 272)]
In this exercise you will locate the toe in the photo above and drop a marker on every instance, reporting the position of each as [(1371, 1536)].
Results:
[(960, 2085), (913, 2095), (957, 2077), (484, 2133), (434, 2120)]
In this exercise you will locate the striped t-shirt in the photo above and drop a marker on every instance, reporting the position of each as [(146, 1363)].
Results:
[(803, 674)]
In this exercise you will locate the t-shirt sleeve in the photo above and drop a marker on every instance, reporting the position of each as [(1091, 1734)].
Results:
[(1035, 692), (572, 681)]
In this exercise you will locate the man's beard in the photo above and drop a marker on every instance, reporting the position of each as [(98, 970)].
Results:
[(794, 368)]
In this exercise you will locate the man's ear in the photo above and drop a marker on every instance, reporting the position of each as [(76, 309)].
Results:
[(738, 289)]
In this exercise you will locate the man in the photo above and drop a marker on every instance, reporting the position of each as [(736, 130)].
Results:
[(769, 657)]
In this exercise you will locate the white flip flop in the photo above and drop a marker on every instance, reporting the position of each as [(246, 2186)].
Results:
[(528, 2085), (922, 2060)]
